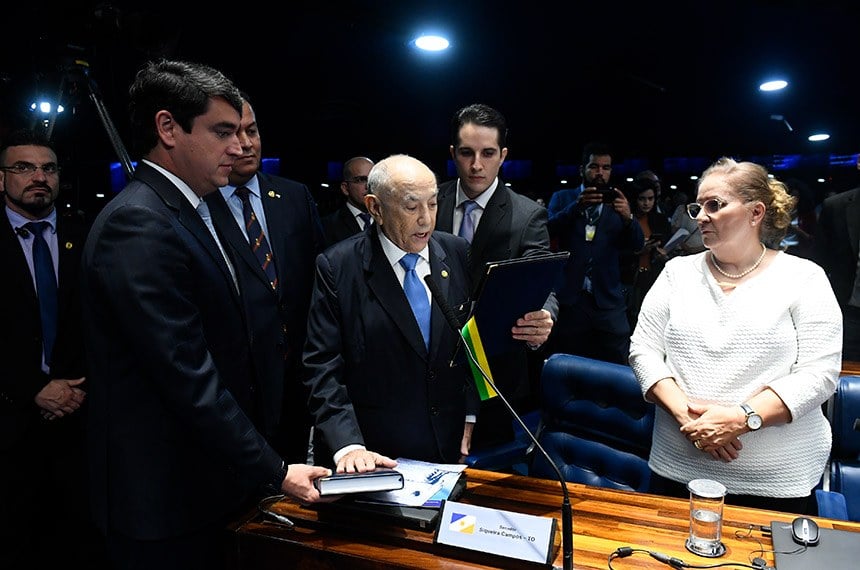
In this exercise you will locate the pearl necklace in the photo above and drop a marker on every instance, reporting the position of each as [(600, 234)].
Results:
[(743, 273)]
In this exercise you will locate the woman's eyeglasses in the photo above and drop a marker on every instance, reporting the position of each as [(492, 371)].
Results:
[(711, 206)]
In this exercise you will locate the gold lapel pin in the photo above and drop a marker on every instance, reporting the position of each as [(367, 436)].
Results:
[(273, 194), (444, 274), (69, 245)]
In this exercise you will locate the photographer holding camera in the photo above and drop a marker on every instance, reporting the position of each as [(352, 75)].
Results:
[(597, 228)]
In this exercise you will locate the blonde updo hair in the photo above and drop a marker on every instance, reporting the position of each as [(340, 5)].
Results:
[(751, 182)]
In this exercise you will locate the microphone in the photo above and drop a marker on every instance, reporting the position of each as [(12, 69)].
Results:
[(566, 512)]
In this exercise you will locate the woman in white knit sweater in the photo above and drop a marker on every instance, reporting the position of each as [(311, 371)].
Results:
[(739, 346)]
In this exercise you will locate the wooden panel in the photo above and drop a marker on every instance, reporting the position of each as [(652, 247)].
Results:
[(603, 520), (850, 368)]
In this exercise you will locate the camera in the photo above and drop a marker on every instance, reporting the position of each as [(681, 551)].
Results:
[(607, 192)]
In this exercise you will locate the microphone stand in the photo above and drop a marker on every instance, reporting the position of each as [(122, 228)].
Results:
[(566, 511)]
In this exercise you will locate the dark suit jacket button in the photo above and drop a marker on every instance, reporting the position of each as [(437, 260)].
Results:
[(434, 411), (431, 375), (284, 329)]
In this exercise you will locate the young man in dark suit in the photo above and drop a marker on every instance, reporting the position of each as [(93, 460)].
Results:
[(276, 313), (44, 515), (380, 380), (500, 224), (352, 217), (174, 452)]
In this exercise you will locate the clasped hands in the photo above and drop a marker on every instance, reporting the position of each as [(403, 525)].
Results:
[(60, 397), (714, 429)]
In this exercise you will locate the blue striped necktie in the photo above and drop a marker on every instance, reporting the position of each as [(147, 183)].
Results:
[(46, 286)]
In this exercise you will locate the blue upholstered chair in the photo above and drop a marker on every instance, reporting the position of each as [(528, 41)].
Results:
[(840, 494), (511, 456), (596, 424)]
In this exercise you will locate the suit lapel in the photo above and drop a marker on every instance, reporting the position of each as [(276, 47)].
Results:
[(440, 273), (445, 214), (383, 282), (233, 235), (187, 216), (493, 214)]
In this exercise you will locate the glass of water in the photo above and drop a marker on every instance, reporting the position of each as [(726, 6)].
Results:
[(706, 518)]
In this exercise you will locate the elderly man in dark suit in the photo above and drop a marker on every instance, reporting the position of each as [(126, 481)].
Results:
[(500, 224), (836, 250), (42, 386), (260, 214), (174, 451), (379, 349), (352, 217)]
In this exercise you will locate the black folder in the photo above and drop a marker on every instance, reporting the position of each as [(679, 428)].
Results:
[(508, 290)]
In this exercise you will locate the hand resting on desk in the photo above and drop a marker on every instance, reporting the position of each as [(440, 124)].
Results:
[(361, 460)]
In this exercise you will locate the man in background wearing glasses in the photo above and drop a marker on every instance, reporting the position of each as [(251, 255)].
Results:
[(43, 497), (352, 217)]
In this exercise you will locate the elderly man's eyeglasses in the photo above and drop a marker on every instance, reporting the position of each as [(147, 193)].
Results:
[(711, 206), (28, 168), (358, 180)]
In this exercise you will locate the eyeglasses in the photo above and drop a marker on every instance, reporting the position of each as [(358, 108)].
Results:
[(358, 180), (711, 206), (50, 169)]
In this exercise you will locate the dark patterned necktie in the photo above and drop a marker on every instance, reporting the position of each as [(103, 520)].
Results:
[(365, 217), (417, 295), (257, 239), (46, 286)]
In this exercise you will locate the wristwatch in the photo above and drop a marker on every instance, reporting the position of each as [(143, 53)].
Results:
[(753, 419)]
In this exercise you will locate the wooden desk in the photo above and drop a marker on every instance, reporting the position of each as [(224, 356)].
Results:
[(603, 520), (850, 368)]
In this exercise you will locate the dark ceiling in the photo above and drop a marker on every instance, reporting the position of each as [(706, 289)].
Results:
[(657, 80)]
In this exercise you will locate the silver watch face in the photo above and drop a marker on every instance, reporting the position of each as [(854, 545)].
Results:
[(753, 421)]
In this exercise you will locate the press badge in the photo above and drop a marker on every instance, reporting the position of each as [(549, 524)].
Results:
[(589, 232)]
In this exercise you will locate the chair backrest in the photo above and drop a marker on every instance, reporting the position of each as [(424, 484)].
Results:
[(597, 426), (845, 412), (843, 476)]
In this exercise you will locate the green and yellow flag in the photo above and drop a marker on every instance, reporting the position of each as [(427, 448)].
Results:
[(473, 340)]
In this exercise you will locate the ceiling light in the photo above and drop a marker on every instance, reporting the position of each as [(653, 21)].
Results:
[(774, 85), (817, 137), (431, 42), (45, 107)]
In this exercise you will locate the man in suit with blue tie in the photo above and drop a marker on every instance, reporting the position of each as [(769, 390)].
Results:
[(42, 386), (174, 451), (352, 217), (597, 229), (276, 304), (379, 348), (499, 224)]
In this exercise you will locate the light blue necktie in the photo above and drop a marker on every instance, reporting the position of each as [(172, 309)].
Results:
[(417, 296), (467, 226), (46, 286)]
